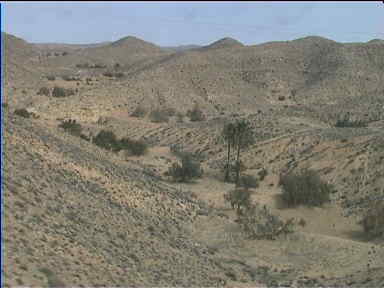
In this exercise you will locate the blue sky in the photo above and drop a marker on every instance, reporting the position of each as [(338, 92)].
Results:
[(180, 23)]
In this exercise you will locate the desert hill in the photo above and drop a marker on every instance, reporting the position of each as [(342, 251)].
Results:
[(226, 42), (76, 214)]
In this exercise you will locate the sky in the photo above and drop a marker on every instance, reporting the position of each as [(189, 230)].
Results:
[(201, 23)]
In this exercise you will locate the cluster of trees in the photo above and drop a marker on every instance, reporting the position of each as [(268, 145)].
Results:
[(237, 135)]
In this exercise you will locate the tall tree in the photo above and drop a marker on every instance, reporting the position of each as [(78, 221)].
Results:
[(228, 133), (237, 134)]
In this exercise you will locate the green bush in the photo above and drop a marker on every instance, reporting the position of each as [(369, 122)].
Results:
[(23, 113), (43, 91), (258, 222), (196, 114), (346, 122), (262, 174), (71, 127), (107, 140), (133, 147), (158, 116), (305, 188), (373, 219), (61, 92), (248, 181), (51, 78), (239, 199), (188, 170)]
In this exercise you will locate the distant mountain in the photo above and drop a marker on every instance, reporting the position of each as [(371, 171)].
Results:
[(225, 43), (181, 48), (136, 45), (64, 46)]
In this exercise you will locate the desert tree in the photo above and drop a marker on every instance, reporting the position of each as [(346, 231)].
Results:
[(237, 135), (228, 134)]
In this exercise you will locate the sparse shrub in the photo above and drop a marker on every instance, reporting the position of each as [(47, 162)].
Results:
[(306, 188), (248, 181), (140, 112), (107, 140), (373, 219), (64, 53), (82, 65), (58, 92), (346, 122), (61, 92), (70, 78), (133, 147), (43, 91), (231, 173), (158, 116), (259, 223), (71, 127), (114, 74), (239, 199), (188, 170), (262, 174), (23, 113), (281, 98), (196, 114), (51, 78)]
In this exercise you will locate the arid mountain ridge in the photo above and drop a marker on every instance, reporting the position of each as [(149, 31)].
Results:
[(77, 214)]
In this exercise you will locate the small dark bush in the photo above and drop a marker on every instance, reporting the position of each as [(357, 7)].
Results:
[(188, 170), (70, 78), (346, 122), (61, 92), (258, 222), (239, 199), (306, 188), (133, 147), (71, 127), (51, 78), (196, 114), (158, 116), (43, 91), (64, 53), (262, 174), (114, 74), (108, 74), (107, 140), (248, 181), (281, 98), (373, 219), (140, 111), (23, 113), (82, 65)]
